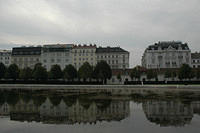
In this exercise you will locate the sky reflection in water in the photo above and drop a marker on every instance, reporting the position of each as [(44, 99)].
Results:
[(165, 112)]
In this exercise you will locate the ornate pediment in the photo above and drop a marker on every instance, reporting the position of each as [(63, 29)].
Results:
[(170, 48)]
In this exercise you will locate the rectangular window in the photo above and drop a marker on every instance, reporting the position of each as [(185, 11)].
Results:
[(53, 54), (180, 57), (153, 60), (160, 57)]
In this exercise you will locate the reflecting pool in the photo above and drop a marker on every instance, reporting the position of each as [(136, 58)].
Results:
[(23, 111)]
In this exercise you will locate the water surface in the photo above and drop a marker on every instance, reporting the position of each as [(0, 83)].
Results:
[(44, 111)]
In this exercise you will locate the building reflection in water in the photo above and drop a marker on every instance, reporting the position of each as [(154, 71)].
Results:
[(196, 107), (4, 109), (178, 110), (66, 112), (168, 113)]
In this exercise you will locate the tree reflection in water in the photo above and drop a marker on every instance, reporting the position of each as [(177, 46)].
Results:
[(164, 109), (65, 108)]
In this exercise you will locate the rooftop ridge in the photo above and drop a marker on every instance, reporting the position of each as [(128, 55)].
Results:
[(110, 49), (166, 44)]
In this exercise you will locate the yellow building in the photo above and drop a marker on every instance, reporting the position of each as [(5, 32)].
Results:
[(83, 53)]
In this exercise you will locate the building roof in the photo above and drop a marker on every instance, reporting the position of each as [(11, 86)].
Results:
[(110, 50), (121, 71), (26, 51), (84, 46), (57, 48), (164, 45), (195, 55), (58, 45), (4, 50)]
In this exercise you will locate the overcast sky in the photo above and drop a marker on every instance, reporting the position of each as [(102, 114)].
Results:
[(130, 24)]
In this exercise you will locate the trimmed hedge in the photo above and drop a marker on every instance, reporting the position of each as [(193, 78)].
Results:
[(160, 82), (59, 82)]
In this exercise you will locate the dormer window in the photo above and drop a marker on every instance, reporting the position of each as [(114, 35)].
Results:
[(179, 48), (170, 48)]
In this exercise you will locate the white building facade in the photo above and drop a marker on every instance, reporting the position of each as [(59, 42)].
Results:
[(166, 55), (65, 54), (168, 113), (116, 57), (5, 57), (195, 60), (59, 54)]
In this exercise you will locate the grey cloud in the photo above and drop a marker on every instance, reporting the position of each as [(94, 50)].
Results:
[(131, 24)]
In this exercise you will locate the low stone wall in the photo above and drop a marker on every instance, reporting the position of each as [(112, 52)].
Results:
[(100, 87)]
